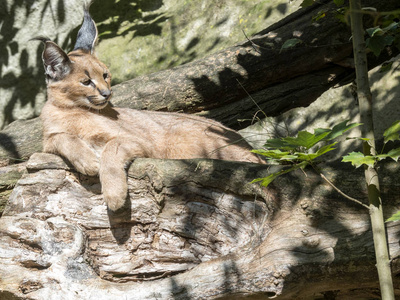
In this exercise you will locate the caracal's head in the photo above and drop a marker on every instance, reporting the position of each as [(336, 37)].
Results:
[(77, 78)]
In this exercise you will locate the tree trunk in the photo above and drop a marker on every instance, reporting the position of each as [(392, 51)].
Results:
[(218, 86), (369, 148), (191, 229)]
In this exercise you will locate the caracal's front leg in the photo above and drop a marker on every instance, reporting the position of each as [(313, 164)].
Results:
[(79, 154), (116, 154)]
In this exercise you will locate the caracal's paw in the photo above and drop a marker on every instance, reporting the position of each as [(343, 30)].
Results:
[(115, 197), (87, 165)]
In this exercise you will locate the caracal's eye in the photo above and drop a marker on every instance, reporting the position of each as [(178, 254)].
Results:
[(86, 82), (105, 76)]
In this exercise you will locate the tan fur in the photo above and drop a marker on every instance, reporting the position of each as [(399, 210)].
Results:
[(100, 139)]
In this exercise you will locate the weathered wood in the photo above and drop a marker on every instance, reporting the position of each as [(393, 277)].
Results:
[(217, 86), (9, 176), (192, 229), (19, 140)]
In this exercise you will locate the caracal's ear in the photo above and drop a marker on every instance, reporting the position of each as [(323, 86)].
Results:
[(87, 35), (55, 61)]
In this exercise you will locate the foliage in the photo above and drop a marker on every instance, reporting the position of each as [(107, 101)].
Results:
[(379, 37), (290, 43), (385, 33), (358, 159), (394, 217), (301, 150), (392, 133)]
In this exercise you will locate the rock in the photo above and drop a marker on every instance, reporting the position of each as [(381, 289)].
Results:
[(149, 36), (22, 81), (135, 38)]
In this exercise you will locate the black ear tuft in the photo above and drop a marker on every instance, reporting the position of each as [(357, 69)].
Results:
[(87, 35), (55, 61)]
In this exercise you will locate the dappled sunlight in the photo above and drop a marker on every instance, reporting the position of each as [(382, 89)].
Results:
[(193, 227)]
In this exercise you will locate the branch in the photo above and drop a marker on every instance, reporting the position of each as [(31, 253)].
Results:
[(342, 193)]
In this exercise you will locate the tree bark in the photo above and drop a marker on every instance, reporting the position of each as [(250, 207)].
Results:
[(9, 177), (218, 86), (191, 229)]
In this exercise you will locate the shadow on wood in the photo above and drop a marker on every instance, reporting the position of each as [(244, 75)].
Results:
[(191, 229)]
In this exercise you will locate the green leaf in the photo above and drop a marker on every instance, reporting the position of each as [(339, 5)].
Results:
[(358, 159), (290, 43), (319, 131), (306, 139), (378, 42), (341, 14), (275, 154), (391, 26), (267, 180), (319, 16), (337, 130), (341, 128), (326, 149), (303, 139), (374, 31), (279, 144), (312, 156), (289, 157), (392, 133), (394, 217), (394, 154), (270, 153), (380, 157), (305, 156)]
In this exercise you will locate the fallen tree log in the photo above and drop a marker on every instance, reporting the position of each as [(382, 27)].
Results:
[(278, 79), (218, 86), (191, 229), (9, 177)]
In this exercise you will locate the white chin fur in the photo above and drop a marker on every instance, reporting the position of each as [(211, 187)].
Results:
[(95, 104)]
